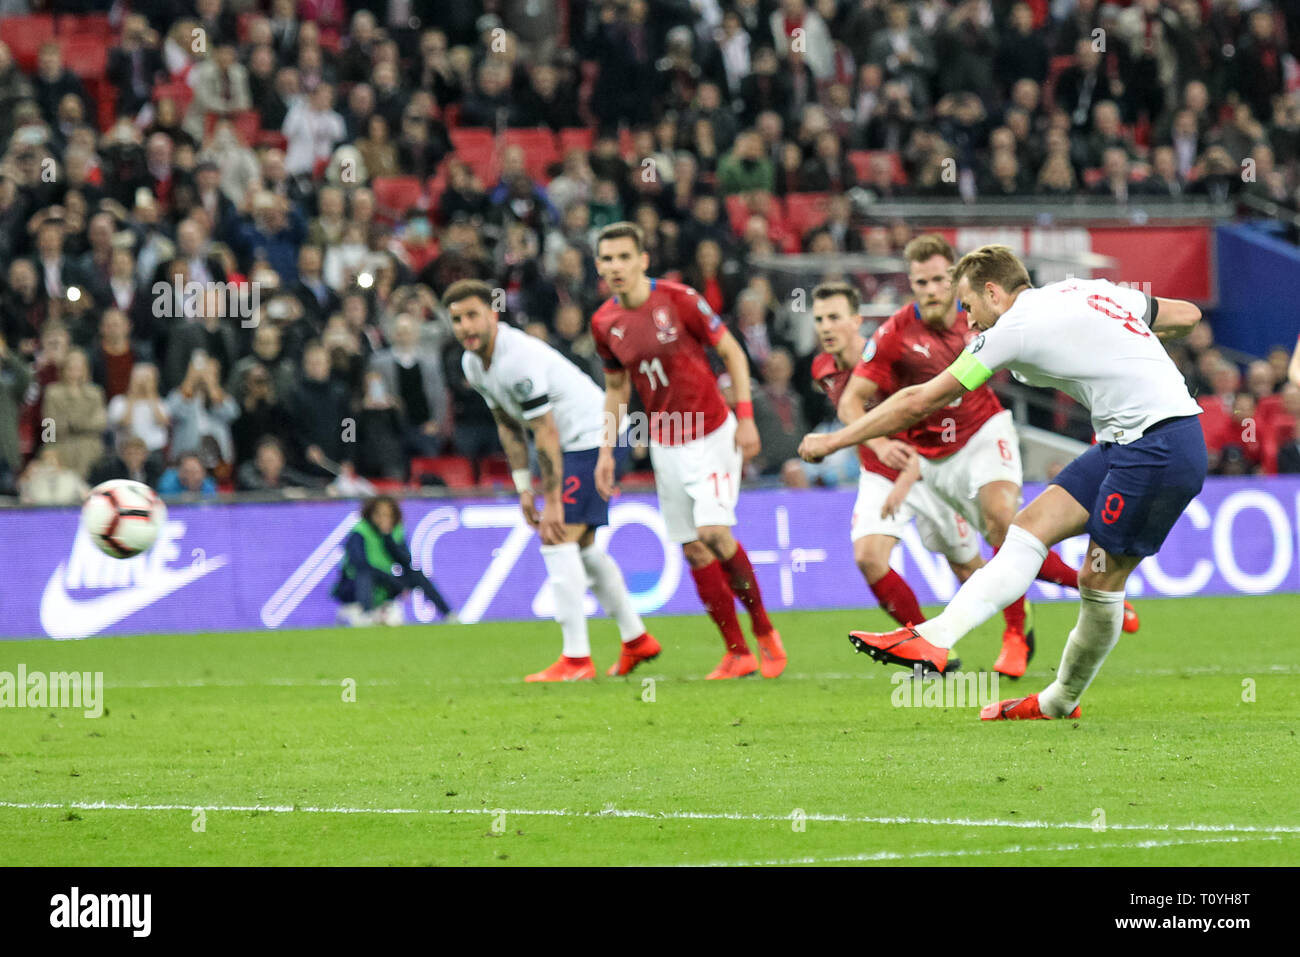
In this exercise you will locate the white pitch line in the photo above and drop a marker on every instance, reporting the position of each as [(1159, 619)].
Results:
[(918, 855), (661, 816)]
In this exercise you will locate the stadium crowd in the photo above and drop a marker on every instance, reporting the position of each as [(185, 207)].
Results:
[(324, 170)]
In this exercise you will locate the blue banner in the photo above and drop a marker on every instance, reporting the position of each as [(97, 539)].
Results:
[(223, 567)]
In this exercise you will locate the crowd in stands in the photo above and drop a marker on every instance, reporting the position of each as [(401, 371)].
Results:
[(321, 171)]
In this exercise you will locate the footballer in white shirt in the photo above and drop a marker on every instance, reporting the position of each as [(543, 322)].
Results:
[(531, 388), (1100, 343)]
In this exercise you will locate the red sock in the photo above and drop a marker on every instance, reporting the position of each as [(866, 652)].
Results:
[(1014, 614), (745, 587), (1056, 571), (720, 603), (897, 599)]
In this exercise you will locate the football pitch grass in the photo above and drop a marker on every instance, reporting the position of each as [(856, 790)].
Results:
[(241, 749)]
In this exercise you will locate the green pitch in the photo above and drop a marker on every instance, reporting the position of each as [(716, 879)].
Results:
[(1187, 752)]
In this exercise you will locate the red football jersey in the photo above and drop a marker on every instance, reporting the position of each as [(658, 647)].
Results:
[(832, 380), (905, 351), (663, 347)]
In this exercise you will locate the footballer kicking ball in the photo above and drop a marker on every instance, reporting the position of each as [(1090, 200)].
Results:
[(123, 518)]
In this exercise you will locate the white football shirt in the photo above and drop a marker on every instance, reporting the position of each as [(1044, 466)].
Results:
[(527, 378), (1088, 338)]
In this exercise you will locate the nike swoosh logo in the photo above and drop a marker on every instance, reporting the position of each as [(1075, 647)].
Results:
[(63, 616)]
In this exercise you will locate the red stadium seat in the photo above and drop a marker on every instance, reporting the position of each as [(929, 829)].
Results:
[(806, 211), (861, 161), (737, 213), (248, 125), (388, 486), (472, 138), (24, 36), (456, 471), (86, 55), (1093, 176), (94, 24), (177, 90), (577, 138), (396, 196), (540, 150), (494, 470)]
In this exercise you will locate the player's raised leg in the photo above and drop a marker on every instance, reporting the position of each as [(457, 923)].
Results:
[(607, 584), (1053, 516)]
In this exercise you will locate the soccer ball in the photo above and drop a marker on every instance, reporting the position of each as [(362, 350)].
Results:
[(123, 518)]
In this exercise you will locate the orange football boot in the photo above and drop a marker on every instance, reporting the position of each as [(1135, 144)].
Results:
[(566, 669), (1019, 709), (902, 646), (771, 654), (1017, 649), (734, 666), (1131, 621), (635, 651)]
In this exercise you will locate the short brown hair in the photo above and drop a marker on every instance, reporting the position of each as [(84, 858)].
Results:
[(829, 290), (996, 264), (623, 230), (927, 246), (467, 289), (372, 504)]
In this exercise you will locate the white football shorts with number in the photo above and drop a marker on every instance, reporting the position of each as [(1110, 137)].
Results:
[(992, 454), (942, 529), (698, 482)]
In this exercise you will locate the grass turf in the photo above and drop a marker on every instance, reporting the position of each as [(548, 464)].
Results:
[(818, 766)]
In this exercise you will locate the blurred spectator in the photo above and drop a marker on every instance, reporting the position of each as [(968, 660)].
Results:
[(267, 471), (14, 379), (778, 414), (220, 86), (201, 411), (134, 64), (318, 409), (187, 478), (132, 461), (412, 373), (46, 481), (745, 168), (74, 416), (313, 128), (140, 411)]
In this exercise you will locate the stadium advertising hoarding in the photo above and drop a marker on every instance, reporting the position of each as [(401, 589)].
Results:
[(259, 566)]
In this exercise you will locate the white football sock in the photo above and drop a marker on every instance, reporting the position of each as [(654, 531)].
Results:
[(1005, 578), (568, 587), (1101, 615), (611, 591)]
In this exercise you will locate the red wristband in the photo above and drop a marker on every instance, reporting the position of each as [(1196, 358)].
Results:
[(744, 410)]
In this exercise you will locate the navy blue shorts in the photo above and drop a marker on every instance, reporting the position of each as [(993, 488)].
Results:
[(582, 503), (1134, 493)]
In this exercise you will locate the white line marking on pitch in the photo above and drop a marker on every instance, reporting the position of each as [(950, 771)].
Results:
[(660, 816), (1053, 849)]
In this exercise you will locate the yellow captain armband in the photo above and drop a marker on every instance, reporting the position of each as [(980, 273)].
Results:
[(969, 371)]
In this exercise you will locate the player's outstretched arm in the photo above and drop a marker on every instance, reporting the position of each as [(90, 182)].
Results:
[(515, 444), (737, 363), (1174, 318), (901, 410), (859, 395), (550, 463), (618, 389)]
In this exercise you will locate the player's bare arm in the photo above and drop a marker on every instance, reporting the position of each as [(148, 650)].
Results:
[(902, 485), (515, 443), (618, 389), (1174, 318), (900, 411), (1293, 370), (550, 463), (859, 395), (737, 363)]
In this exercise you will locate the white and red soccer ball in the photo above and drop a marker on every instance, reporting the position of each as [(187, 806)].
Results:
[(123, 518)]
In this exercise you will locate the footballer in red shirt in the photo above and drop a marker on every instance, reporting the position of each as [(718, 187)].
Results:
[(969, 451), (887, 498), (657, 334)]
